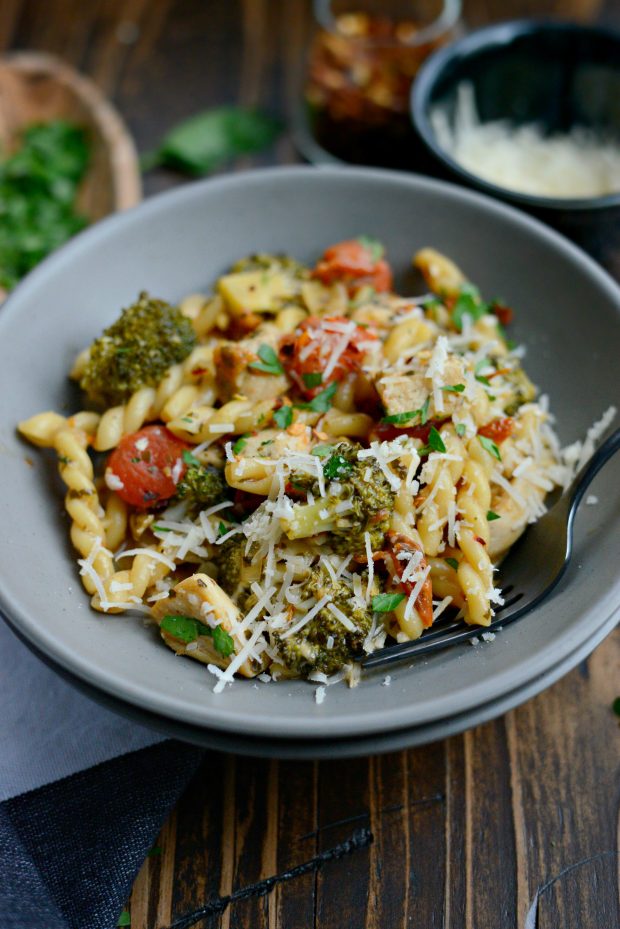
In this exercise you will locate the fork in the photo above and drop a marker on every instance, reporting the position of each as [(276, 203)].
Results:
[(536, 563)]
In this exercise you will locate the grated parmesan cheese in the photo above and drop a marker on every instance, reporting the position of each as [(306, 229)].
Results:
[(574, 164)]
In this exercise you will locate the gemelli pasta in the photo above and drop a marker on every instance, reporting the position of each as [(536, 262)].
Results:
[(292, 471)]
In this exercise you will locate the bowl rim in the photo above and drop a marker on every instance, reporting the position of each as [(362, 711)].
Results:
[(496, 36), (115, 683)]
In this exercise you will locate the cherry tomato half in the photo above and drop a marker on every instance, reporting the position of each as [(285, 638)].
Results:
[(146, 466), (307, 352), (356, 263)]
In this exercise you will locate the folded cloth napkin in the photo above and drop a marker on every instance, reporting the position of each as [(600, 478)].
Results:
[(83, 794)]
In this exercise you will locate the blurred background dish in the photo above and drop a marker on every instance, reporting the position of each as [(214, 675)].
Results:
[(538, 92), (361, 62)]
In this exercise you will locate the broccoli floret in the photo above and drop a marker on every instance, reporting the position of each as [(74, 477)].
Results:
[(202, 486), (135, 351), (363, 483), (230, 562), (307, 650)]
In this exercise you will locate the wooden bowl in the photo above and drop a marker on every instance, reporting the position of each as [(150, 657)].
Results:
[(36, 87)]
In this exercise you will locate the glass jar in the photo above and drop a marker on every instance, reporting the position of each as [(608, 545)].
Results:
[(361, 64)]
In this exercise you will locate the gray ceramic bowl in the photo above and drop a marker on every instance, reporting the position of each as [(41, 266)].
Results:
[(568, 311)]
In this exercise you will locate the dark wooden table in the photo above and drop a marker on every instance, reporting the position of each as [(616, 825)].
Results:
[(513, 825)]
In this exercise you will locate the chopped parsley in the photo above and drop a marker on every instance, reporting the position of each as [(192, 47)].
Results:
[(616, 706), (454, 388), (222, 529), (483, 363), (452, 562), (240, 444), (435, 441), (468, 304), (461, 429), (187, 630), (284, 416), (313, 379), (373, 246), (490, 446), (269, 362), (222, 641), (385, 603), (156, 850), (398, 419), (190, 459), (39, 186), (124, 919), (322, 402), (491, 516)]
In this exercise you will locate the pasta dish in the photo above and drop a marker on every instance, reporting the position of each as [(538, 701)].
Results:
[(290, 472)]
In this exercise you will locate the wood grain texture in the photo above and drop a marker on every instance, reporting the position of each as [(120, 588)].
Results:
[(466, 832)]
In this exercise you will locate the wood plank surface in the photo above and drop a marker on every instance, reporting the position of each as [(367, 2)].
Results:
[(513, 825)]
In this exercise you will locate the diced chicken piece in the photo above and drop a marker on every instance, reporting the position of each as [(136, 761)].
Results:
[(234, 376), (403, 393), (199, 597)]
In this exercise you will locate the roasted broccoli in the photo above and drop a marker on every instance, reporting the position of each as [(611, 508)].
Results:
[(201, 485), (135, 351), (236, 571), (361, 483), (309, 649)]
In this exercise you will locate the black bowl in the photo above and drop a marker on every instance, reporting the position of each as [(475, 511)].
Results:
[(557, 74)]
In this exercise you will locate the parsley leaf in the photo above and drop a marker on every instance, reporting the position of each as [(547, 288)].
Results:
[(187, 630), (190, 459), (397, 419), (452, 562), (312, 378), (284, 416), (322, 402), (184, 627), (489, 446), (461, 429), (222, 529), (240, 444), (424, 411), (124, 919), (222, 641), (336, 467), (491, 516), (269, 362), (468, 303), (384, 603), (373, 246), (483, 363), (616, 706), (435, 441), (454, 388)]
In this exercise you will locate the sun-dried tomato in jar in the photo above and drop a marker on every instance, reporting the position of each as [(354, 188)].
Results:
[(360, 73)]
